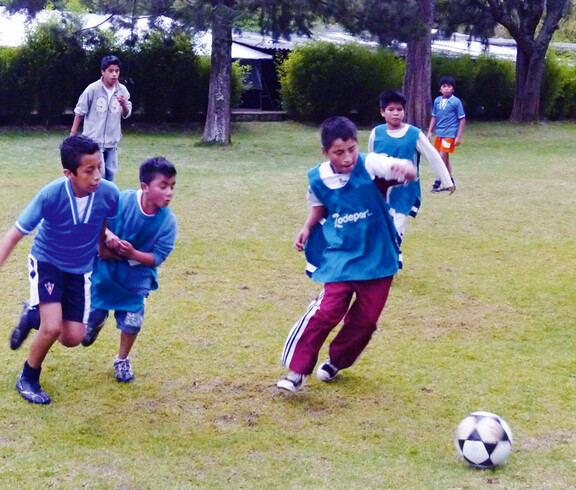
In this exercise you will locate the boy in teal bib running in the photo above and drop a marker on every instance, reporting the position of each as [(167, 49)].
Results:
[(358, 256)]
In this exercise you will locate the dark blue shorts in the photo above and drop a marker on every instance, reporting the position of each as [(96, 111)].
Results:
[(48, 284)]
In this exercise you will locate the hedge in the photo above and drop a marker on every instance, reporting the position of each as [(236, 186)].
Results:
[(41, 80)]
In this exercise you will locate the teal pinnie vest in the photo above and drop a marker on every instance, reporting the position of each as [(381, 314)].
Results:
[(404, 199), (358, 240)]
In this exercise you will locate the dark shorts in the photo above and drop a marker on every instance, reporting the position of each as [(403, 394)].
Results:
[(48, 284)]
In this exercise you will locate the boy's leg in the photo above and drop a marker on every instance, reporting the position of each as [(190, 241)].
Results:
[(446, 159), (360, 321), (129, 323), (29, 319), (315, 328), (28, 383), (110, 157), (96, 321), (126, 342)]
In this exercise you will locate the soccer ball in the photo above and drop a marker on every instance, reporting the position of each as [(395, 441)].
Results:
[(484, 440)]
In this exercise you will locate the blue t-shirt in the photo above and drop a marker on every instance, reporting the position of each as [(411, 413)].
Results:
[(65, 238), (120, 284), (448, 115)]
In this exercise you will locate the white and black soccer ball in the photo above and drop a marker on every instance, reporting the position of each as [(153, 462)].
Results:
[(484, 439)]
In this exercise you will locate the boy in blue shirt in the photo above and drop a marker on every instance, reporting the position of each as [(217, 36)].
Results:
[(401, 140), (448, 120), (137, 241), (70, 214), (360, 257)]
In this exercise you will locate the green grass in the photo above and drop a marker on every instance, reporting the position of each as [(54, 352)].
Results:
[(481, 318)]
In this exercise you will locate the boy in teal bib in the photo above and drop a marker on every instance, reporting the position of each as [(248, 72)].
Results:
[(359, 255)]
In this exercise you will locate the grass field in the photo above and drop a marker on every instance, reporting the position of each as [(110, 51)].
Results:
[(481, 318)]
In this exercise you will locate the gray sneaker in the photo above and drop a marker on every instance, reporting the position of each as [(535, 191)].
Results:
[(327, 372), (291, 382), (123, 368)]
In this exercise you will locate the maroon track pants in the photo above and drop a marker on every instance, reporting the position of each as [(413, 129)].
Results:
[(360, 320)]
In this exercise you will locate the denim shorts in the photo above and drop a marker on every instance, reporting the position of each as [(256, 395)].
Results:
[(126, 321)]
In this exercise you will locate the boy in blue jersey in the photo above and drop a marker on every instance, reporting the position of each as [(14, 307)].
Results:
[(137, 241), (401, 140), (360, 257), (448, 121), (70, 214)]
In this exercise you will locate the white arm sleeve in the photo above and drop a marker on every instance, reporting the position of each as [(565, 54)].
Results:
[(381, 166), (432, 156)]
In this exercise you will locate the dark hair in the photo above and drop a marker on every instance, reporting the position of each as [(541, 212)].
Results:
[(74, 148), (110, 60), (337, 127), (150, 167), (447, 80), (390, 96)]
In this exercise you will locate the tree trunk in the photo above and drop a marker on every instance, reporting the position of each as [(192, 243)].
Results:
[(218, 116), (529, 72), (417, 77)]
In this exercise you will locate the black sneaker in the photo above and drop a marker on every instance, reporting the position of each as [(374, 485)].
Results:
[(29, 319), (327, 372), (31, 391), (436, 186), (92, 333)]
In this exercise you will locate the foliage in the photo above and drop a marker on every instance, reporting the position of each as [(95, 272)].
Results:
[(45, 76), (390, 21), (322, 79), (52, 60), (530, 23), (480, 318), (165, 78), (560, 83)]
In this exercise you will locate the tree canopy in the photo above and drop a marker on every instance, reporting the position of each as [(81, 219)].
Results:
[(531, 23)]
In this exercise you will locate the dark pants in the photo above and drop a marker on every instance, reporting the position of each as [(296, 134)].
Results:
[(360, 319)]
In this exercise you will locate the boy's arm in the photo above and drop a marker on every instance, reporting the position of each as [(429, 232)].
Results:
[(316, 214), (433, 158), (125, 250), (389, 168), (10, 240), (431, 127), (461, 126), (76, 124), (371, 141), (126, 106)]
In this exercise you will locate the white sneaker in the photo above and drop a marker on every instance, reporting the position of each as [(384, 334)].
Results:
[(291, 382), (327, 372)]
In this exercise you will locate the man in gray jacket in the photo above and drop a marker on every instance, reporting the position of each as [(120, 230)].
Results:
[(102, 106)]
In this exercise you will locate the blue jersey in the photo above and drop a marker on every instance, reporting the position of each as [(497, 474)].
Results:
[(448, 113), (359, 239), (403, 198), (65, 238), (120, 284)]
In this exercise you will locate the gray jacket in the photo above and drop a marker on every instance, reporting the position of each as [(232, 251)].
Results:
[(102, 118)]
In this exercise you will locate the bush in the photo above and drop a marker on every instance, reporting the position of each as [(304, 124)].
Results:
[(558, 96), (321, 79), (43, 79)]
